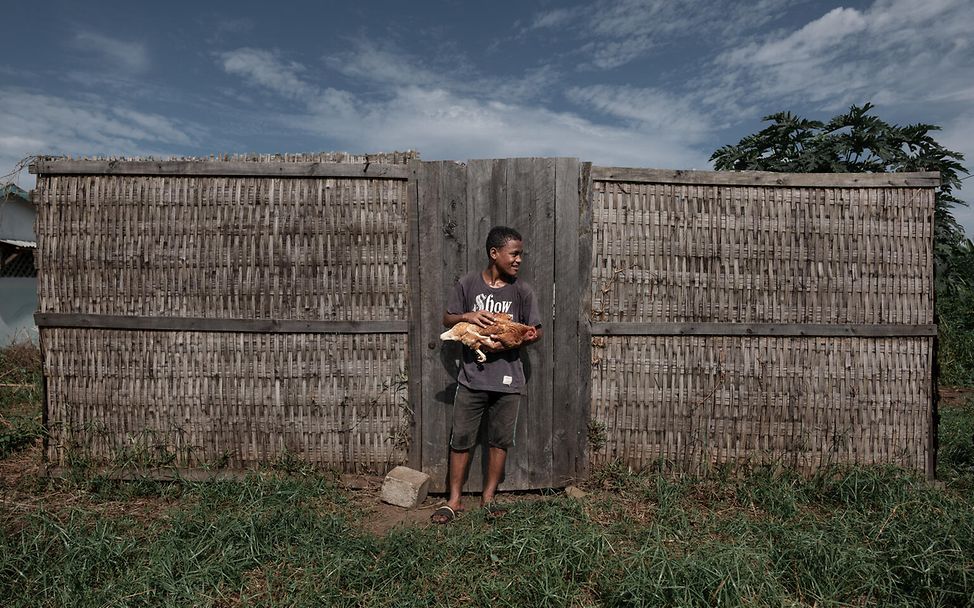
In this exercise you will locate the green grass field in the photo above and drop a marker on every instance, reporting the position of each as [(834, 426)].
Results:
[(846, 537)]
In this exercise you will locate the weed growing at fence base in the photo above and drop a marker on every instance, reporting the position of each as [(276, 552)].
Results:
[(20, 396), (955, 458)]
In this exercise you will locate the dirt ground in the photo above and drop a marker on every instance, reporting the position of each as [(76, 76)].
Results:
[(21, 490), (955, 396), (379, 517)]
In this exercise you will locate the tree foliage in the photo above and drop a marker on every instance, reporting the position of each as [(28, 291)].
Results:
[(860, 142), (854, 142)]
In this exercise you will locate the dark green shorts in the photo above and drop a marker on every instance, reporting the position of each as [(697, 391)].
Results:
[(469, 408)]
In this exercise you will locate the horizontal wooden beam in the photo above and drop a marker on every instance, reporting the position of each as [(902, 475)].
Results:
[(262, 326), (760, 329), (219, 168), (927, 179)]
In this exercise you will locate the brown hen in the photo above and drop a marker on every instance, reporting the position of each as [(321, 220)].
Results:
[(502, 334)]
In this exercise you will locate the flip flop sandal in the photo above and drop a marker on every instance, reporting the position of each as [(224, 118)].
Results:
[(443, 515)]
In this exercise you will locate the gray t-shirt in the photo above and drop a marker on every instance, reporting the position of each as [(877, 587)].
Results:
[(501, 372)]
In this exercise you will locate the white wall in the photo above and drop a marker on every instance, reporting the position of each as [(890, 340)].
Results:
[(17, 220), (18, 301)]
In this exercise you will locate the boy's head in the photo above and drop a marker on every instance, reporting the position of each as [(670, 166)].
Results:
[(504, 249)]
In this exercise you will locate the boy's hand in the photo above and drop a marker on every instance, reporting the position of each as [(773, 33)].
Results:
[(480, 318)]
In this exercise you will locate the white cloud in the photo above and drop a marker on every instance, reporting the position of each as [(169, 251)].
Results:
[(152, 127), (388, 68), (443, 125), (533, 84), (895, 51), (38, 124), (370, 63), (912, 58), (901, 54), (818, 39), (80, 125), (128, 56), (617, 32), (18, 144), (557, 17), (453, 118), (267, 69), (649, 109)]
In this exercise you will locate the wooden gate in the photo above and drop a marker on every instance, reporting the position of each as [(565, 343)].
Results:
[(455, 206)]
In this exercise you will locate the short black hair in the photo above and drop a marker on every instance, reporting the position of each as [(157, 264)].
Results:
[(499, 235)]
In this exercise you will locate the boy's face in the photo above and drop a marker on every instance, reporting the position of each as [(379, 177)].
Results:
[(507, 259)]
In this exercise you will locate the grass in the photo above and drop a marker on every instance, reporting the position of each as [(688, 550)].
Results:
[(955, 458), (20, 395), (293, 537), (955, 319), (844, 537)]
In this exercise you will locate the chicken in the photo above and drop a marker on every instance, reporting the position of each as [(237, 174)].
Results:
[(502, 334)]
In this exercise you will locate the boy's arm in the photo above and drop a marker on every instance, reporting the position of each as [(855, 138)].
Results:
[(480, 318), (537, 336), (532, 317), (454, 306)]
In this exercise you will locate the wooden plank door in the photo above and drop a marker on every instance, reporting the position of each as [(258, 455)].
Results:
[(456, 207)]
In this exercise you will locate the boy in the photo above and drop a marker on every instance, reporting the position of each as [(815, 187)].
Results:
[(492, 388)]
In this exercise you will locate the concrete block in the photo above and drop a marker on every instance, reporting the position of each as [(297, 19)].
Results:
[(575, 492), (405, 487)]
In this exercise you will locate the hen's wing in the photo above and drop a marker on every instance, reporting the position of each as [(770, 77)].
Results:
[(456, 332), (508, 333)]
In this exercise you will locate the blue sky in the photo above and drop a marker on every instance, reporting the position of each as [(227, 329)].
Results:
[(640, 83)]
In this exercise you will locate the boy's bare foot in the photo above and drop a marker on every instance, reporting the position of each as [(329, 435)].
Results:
[(446, 514)]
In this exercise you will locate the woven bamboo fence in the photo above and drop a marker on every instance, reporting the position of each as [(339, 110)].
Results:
[(233, 312), (183, 311), (774, 323)]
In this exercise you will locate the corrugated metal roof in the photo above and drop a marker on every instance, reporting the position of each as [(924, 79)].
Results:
[(15, 243), (11, 190)]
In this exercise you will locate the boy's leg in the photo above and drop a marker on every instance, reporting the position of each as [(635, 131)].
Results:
[(459, 463), (468, 408), (501, 424), (496, 457)]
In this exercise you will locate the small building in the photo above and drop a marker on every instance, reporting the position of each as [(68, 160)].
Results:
[(18, 275)]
